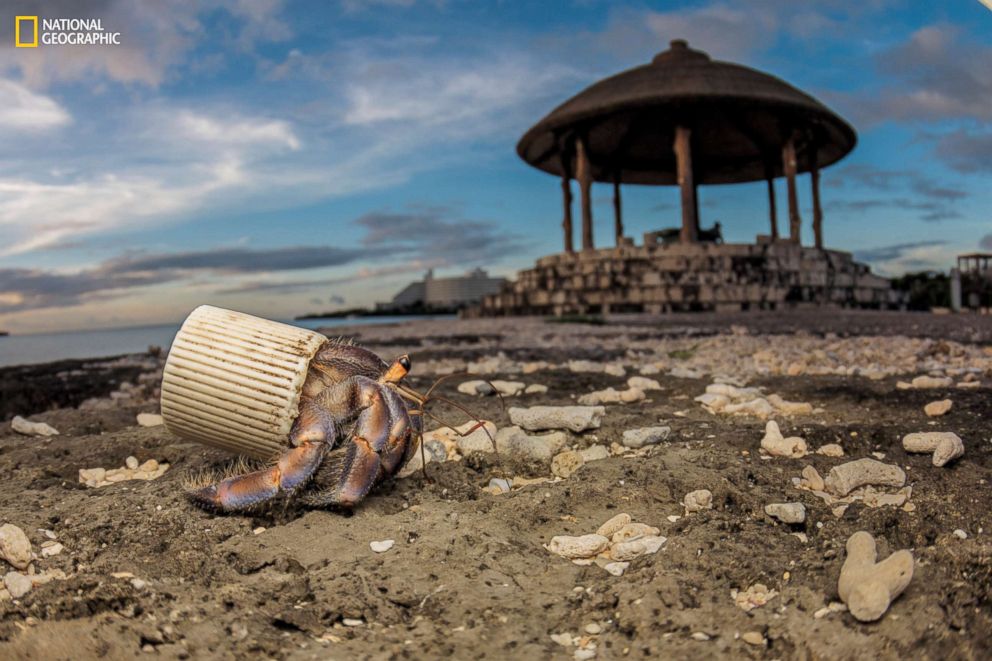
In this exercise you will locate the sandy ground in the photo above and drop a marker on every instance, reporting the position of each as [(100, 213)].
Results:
[(468, 576)]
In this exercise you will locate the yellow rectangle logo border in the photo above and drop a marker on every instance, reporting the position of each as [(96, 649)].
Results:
[(17, 32)]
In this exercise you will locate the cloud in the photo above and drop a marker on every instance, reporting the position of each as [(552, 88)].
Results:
[(967, 152), (157, 37), (934, 201), (407, 242), (902, 258), (24, 110), (986, 242), (238, 260), (236, 131)]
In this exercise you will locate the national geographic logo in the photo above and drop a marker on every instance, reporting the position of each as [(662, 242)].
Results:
[(62, 32)]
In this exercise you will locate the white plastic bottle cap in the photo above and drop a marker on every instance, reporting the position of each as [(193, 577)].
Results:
[(233, 380)]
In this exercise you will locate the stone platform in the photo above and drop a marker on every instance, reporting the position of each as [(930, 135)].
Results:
[(690, 277)]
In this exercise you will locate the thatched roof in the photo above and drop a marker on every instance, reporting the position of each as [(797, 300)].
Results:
[(739, 118)]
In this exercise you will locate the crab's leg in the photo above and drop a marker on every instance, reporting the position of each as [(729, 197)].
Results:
[(376, 448), (313, 432)]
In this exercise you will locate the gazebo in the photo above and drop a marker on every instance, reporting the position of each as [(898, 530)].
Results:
[(686, 119)]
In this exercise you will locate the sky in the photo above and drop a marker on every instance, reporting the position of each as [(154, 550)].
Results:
[(290, 157)]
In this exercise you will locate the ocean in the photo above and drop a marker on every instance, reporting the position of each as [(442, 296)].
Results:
[(48, 347)]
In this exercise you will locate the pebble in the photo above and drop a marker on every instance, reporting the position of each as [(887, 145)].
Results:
[(867, 586), (17, 584), (638, 438), (471, 387), (643, 383), (384, 545), (352, 622), (845, 478), (932, 382), (499, 485), (778, 446), (535, 389), (612, 396), (700, 636), (753, 638), (150, 420), (139, 583), (633, 531), (585, 546), (594, 453), (960, 534), (593, 629), (584, 654), (624, 551), (787, 512), (938, 408), (478, 441), (755, 596), (695, 501), (508, 388), (566, 463), (830, 450), (132, 463), (613, 525), (259, 530), (516, 442), (946, 446), (50, 548), (574, 418), (28, 428), (616, 568), (15, 547)]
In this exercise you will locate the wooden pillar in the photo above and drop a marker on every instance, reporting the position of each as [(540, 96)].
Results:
[(814, 176), (772, 217), (617, 210), (566, 223), (789, 165), (683, 159), (583, 172)]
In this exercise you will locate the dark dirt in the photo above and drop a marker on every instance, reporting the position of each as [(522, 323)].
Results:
[(468, 577)]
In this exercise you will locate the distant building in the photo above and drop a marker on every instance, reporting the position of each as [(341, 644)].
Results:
[(444, 293)]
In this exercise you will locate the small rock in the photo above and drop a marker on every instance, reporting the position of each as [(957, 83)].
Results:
[(15, 547), (700, 636), (777, 446), (593, 629), (845, 478), (614, 369), (616, 568), (754, 597), (624, 551), (515, 441), (643, 383), (17, 584), (131, 462), (812, 479), (28, 428), (585, 546), (478, 441), (382, 546), (960, 534), (563, 639), (830, 450), (938, 408), (584, 654), (150, 420), (611, 396), (48, 549), (470, 387), (566, 463), (594, 453), (787, 512), (932, 382), (633, 531), (259, 530), (753, 638), (508, 388), (695, 501), (535, 389), (638, 438), (946, 446), (867, 586), (574, 418), (139, 583), (613, 525), (758, 407), (500, 485), (352, 622)]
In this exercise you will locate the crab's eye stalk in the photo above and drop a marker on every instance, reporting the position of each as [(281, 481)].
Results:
[(396, 371)]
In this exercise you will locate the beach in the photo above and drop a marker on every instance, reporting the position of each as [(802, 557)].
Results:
[(469, 573)]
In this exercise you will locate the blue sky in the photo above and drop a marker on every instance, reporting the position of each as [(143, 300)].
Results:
[(287, 157)]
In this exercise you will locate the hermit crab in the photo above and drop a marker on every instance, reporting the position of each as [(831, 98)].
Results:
[(354, 425)]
